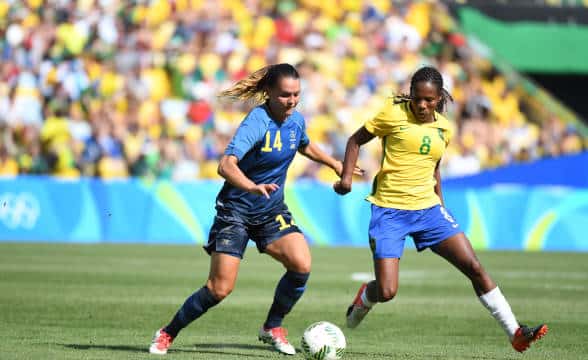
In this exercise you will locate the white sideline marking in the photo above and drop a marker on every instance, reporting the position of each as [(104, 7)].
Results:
[(362, 276), (422, 274), (543, 274), (404, 274)]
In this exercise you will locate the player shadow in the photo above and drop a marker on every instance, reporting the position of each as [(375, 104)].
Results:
[(428, 356), (238, 346), (200, 349), (232, 346)]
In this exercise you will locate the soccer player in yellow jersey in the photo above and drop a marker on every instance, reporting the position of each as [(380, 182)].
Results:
[(407, 200)]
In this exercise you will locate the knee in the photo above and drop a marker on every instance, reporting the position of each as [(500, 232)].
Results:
[(302, 265), (475, 269), (387, 293), (303, 268), (219, 289)]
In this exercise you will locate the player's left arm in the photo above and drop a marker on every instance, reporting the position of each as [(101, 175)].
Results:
[(448, 134), (438, 190)]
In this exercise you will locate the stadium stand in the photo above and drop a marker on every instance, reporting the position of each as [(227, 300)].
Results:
[(118, 89)]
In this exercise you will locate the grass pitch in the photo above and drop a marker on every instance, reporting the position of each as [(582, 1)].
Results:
[(61, 301)]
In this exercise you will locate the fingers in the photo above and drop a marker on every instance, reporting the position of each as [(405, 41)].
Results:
[(339, 168), (273, 187), (270, 188), (341, 189), (358, 171), (264, 192), (267, 189)]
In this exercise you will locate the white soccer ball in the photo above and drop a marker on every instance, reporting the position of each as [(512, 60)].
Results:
[(323, 341)]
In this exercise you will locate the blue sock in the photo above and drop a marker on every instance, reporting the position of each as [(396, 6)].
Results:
[(194, 306), (289, 290)]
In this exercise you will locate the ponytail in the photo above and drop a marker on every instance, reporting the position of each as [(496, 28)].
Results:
[(254, 87)]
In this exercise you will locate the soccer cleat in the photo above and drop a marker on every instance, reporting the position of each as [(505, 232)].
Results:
[(525, 335), (277, 338), (161, 342), (357, 310)]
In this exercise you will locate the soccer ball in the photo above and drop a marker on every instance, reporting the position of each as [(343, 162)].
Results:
[(323, 341)]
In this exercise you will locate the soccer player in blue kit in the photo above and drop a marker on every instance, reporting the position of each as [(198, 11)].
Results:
[(251, 204)]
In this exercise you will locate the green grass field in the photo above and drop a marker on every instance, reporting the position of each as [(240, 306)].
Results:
[(62, 301)]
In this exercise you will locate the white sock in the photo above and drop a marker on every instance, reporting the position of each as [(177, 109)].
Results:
[(365, 300), (495, 302)]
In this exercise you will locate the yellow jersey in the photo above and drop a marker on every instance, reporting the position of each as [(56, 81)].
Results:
[(410, 152)]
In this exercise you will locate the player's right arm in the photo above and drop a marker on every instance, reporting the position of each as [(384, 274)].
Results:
[(356, 140), (247, 135), (380, 125), (228, 169)]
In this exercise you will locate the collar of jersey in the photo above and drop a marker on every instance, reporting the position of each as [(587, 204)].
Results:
[(269, 114)]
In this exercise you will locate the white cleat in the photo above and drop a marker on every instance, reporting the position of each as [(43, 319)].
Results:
[(277, 338), (161, 342), (357, 310)]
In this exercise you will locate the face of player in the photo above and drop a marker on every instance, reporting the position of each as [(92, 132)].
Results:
[(284, 97), (424, 100)]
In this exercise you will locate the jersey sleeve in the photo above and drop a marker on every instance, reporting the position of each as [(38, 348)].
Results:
[(304, 140), (449, 135), (382, 124), (247, 135), (446, 129)]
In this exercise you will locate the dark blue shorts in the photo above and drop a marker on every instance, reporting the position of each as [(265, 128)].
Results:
[(389, 228), (232, 230)]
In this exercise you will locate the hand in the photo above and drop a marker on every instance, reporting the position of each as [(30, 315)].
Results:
[(339, 169), (341, 187), (264, 189)]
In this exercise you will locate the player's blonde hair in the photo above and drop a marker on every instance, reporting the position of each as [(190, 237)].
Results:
[(254, 87)]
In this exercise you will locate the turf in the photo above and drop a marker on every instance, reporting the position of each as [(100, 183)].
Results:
[(60, 301)]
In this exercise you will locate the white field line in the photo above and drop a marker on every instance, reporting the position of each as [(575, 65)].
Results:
[(423, 276), (523, 274)]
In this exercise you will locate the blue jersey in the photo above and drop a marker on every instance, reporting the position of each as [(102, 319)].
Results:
[(265, 150)]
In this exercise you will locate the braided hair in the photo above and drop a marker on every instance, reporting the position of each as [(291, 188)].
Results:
[(255, 85), (427, 74)]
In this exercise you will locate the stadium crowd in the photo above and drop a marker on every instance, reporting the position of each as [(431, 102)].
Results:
[(115, 88)]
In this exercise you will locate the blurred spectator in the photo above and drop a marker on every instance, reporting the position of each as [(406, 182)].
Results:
[(8, 166), (117, 89)]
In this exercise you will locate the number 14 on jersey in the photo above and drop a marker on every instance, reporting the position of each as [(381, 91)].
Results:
[(268, 147)]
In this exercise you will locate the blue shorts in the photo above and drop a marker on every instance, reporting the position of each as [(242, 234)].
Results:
[(232, 230), (389, 228)]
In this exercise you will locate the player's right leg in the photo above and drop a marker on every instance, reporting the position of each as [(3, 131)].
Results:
[(221, 281), (226, 244), (387, 232), (360, 306), (382, 289)]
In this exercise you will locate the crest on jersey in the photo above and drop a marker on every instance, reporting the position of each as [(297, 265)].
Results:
[(292, 139)]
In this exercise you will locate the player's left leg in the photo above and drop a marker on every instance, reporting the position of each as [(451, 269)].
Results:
[(458, 251), (293, 252)]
